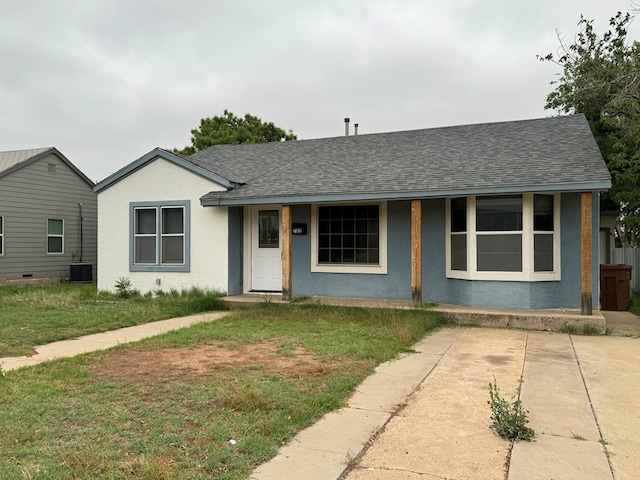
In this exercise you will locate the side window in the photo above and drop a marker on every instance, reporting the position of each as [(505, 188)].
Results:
[(160, 236), (55, 235), (459, 234)]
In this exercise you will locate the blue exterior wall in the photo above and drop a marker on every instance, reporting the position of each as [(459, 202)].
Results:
[(235, 266), (512, 295), (395, 285)]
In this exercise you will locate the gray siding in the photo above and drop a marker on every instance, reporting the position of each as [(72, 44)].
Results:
[(31, 195)]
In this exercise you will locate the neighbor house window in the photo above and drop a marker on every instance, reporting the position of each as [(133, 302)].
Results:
[(55, 235), (349, 238), (160, 236), (1, 235), (509, 237)]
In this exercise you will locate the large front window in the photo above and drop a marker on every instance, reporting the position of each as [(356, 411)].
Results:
[(349, 238), (349, 234), (160, 236), (511, 237)]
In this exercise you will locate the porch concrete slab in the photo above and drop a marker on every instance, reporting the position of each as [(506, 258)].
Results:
[(545, 320), (611, 367), (551, 457), (622, 323), (102, 341)]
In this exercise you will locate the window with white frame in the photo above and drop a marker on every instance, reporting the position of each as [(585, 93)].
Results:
[(160, 236), (1, 235), (349, 238), (55, 236), (508, 237)]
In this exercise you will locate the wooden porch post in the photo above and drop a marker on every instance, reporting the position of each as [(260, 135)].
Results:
[(286, 252), (586, 253), (416, 253)]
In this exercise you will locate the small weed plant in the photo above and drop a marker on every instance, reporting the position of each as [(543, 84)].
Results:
[(124, 289), (508, 419)]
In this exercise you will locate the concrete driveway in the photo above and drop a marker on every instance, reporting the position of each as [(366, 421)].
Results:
[(581, 393)]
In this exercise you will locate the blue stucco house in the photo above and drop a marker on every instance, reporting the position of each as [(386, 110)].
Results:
[(501, 215)]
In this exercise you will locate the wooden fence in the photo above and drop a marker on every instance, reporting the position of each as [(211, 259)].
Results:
[(629, 256)]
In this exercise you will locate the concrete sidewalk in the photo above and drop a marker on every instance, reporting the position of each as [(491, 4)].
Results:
[(102, 341), (426, 415)]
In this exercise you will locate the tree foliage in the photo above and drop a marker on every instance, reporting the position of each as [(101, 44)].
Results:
[(228, 129), (601, 79)]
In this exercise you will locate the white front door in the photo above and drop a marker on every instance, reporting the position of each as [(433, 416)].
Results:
[(266, 261)]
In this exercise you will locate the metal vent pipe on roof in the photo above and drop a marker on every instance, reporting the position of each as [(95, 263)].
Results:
[(355, 128), (346, 127)]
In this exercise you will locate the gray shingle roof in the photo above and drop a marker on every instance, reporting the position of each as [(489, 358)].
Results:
[(549, 154)]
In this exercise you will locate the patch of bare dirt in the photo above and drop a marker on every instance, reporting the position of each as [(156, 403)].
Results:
[(145, 366)]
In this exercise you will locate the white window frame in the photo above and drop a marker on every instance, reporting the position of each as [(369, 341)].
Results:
[(158, 266), (379, 269), (54, 235), (1, 235), (527, 274)]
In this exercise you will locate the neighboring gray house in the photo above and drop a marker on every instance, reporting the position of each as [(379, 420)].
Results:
[(47, 218), (498, 215)]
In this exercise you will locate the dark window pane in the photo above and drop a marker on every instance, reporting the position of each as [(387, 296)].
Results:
[(145, 250), (499, 253), (459, 252), (54, 227), (349, 226), (543, 213), (324, 226), (336, 255), (459, 215), (54, 245), (374, 256), (145, 221), (172, 249), (373, 240), (323, 241), (336, 241), (269, 229), (543, 253), (348, 255), (348, 241), (349, 213), (172, 220), (323, 255), (361, 255), (495, 214)]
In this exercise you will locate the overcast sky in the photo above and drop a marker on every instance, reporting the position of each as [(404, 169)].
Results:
[(105, 81)]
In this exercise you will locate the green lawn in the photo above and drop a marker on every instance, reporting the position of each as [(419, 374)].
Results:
[(35, 315), (210, 401)]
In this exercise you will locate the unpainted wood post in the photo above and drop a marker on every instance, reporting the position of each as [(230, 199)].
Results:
[(286, 252), (586, 253), (416, 252)]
